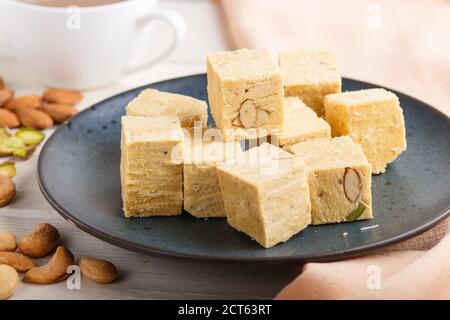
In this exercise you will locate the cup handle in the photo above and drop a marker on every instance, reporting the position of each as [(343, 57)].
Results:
[(176, 21)]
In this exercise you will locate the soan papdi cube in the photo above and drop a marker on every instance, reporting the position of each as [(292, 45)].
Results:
[(310, 75), (152, 102), (374, 119), (245, 90), (301, 123), (202, 194), (339, 179), (151, 166), (266, 196)]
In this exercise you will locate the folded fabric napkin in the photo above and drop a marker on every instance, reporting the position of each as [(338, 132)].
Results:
[(397, 44)]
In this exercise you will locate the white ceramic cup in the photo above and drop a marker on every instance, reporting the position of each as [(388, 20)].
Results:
[(83, 47)]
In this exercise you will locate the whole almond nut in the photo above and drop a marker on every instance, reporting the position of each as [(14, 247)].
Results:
[(59, 112), (6, 96), (54, 271), (32, 101), (16, 260), (63, 96), (262, 116), (35, 119), (9, 119), (40, 242), (8, 241), (2, 84), (352, 184), (97, 270), (247, 114), (7, 190), (9, 281)]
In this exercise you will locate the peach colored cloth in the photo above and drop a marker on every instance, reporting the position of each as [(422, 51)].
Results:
[(400, 275), (402, 44)]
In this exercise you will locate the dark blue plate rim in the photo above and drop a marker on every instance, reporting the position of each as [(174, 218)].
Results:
[(148, 249)]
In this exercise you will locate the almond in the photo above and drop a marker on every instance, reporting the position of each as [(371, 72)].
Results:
[(9, 119), (59, 112), (352, 184), (97, 270), (6, 96), (63, 96), (7, 190), (2, 84), (247, 114), (262, 116), (35, 119), (16, 260), (236, 122), (31, 101)]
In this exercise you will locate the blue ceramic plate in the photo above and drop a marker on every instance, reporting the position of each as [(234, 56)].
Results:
[(78, 173)]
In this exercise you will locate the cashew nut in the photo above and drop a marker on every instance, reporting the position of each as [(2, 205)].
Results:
[(54, 271), (16, 260), (9, 281), (40, 242), (99, 271), (7, 241)]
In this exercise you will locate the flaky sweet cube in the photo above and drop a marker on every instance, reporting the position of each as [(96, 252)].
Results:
[(245, 90), (339, 178), (202, 193), (301, 123), (267, 196), (152, 102), (374, 119), (151, 166), (310, 75)]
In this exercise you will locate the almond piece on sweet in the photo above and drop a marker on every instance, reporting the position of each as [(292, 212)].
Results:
[(352, 184), (247, 114), (262, 116)]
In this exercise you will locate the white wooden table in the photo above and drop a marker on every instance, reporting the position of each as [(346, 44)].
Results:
[(141, 277)]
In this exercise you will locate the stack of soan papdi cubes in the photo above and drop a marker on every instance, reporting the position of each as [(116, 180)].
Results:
[(171, 160)]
